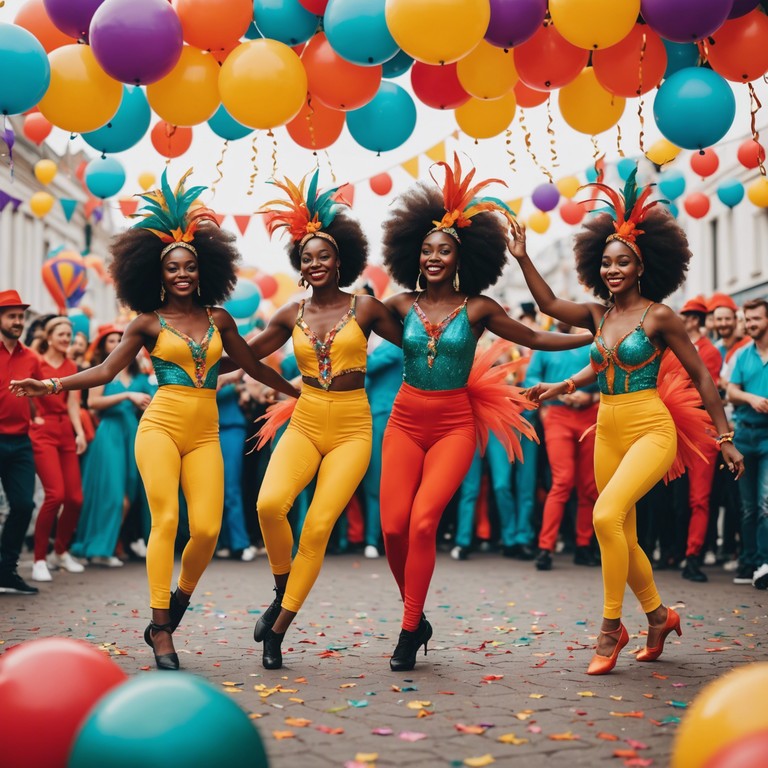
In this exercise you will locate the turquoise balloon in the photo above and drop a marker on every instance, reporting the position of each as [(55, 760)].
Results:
[(386, 122), (160, 720), (25, 72), (252, 33), (672, 184), (591, 174), (81, 323), (730, 192), (224, 125), (672, 208), (625, 166), (398, 65), (127, 127), (285, 20), (104, 176), (244, 301), (358, 31), (680, 56), (694, 108)]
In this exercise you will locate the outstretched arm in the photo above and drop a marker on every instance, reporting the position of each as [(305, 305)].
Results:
[(547, 391)]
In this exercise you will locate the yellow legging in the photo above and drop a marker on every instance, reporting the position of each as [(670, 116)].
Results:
[(178, 441), (635, 445), (329, 435)]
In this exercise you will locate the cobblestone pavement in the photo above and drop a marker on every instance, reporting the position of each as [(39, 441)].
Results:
[(504, 678)]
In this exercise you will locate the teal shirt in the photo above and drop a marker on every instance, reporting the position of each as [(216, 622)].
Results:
[(557, 366), (383, 375), (751, 374)]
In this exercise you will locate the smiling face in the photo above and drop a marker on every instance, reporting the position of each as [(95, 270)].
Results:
[(59, 337), (725, 322), (439, 258), (180, 273), (620, 269), (319, 262), (12, 323)]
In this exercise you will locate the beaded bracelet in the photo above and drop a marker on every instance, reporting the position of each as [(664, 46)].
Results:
[(53, 386), (571, 385), (726, 437)]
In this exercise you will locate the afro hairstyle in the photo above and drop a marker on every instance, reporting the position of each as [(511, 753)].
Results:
[(482, 251)]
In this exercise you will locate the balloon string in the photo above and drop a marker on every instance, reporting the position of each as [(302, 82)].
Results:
[(528, 149), (218, 168), (754, 106), (254, 164), (310, 125), (330, 166), (552, 145), (274, 152), (642, 124), (640, 65), (508, 139), (595, 150), (618, 140)]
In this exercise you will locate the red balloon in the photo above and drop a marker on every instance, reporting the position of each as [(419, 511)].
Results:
[(381, 183), (37, 128), (745, 752), (34, 18), (171, 140), (316, 126), (738, 50), (438, 86), (572, 212), (528, 97), (750, 153), (267, 285), (705, 163), (315, 6), (40, 718), (548, 61), (377, 277), (696, 205)]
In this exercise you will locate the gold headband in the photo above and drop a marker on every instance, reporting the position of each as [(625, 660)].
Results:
[(448, 231), (322, 235), (629, 243), (179, 244), (54, 321)]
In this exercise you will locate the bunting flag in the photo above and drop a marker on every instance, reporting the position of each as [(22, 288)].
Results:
[(68, 206), (437, 153), (516, 205), (345, 194), (92, 206), (128, 206), (219, 218), (242, 221), (5, 199), (411, 166)]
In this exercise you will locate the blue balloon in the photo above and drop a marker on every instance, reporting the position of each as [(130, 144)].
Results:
[(26, 72), (398, 65), (672, 208), (244, 301), (127, 127), (224, 125), (694, 108), (358, 31), (252, 33), (680, 56), (285, 20), (591, 174), (730, 192), (104, 176), (625, 166), (672, 184), (385, 122)]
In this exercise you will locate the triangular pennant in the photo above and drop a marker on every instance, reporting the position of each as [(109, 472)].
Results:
[(128, 206), (345, 194), (516, 205), (219, 218), (412, 166), (242, 221), (436, 153), (92, 205), (68, 206)]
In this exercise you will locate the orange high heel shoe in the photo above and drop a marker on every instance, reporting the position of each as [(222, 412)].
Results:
[(672, 622), (601, 665)]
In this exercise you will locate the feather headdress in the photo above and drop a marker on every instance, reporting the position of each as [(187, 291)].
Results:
[(166, 213)]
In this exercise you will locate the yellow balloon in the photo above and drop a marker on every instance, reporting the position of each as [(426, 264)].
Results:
[(45, 171), (482, 119), (147, 180), (725, 711), (757, 192), (437, 31), (263, 84), (81, 96), (41, 203), (662, 152), (189, 94), (568, 186), (488, 72), (286, 287), (593, 24), (587, 107), (539, 222)]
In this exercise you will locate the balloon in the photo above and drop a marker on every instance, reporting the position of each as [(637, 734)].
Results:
[(730, 192), (694, 108), (315, 6), (572, 212), (757, 192), (397, 65), (487, 72), (214, 25), (65, 276), (45, 171), (81, 97), (437, 33), (633, 66), (539, 222), (738, 50), (545, 197), (575, 20), (680, 56), (316, 126), (81, 322), (672, 184), (267, 285), (548, 61), (83, 675), (189, 94), (33, 17), (21, 54), (96, 263), (146, 180), (338, 83), (587, 107), (286, 288), (127, 127), (696, 205), (529, 97), (568, 186), (286, 21), (37, 128), (104, 177), (224, 125), (72, 18), (740, 7), (358, 31), (41, 203), (177, 714), (662, 152), (684, 21), (438, 87), (625, 166), (377, 277), (484, 119), (381, 183), (724, 712), (672, 208), (705, 162), (386, 122), (746, 752), (750, 153), (263, 84), (169, 140), (244, 301), (514, 23)]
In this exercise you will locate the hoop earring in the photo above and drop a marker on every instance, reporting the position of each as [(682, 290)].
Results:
[(456, 283), (639, 289), (198, 289), (162, 293), (419, 286), (302, 282)]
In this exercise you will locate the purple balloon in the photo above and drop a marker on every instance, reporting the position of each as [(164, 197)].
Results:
[(684, 21), (136, 41), (514, 21), (545, 197), (72, 17), (742, 8)]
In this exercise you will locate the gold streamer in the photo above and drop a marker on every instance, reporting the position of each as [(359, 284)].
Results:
[(528, 148), (552, 146), (618, 140), (754, 106), (274, 152), (254, 163), (218, 168), (330, 166), (310, 125), (595, 149), (641, 137), (640, 65), (508, 139)]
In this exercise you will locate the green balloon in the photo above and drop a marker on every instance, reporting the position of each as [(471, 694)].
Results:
[(167, 718)]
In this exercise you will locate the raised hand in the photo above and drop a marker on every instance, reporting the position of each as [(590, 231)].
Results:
[(516, 244)]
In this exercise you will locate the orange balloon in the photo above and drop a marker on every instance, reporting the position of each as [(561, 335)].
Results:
[(548, 61), (214, 25), (626, 69), (572, 212), (316, 126), (381, 183), (338, 83), (37, 128), (169, 140), (696, 205), (528, 97), (739, 49), (587, 107), (34, 18)]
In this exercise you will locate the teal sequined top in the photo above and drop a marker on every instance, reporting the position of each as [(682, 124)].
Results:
[(437, 356), (631, 365)]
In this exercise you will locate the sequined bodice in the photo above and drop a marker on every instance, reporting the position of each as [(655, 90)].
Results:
[(631, 365), (437, 355), (181, 361)]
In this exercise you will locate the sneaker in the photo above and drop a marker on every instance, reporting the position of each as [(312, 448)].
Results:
[(139, 548), (40, 571), (107, 562), (223, 553), (371, 552), (731, 565), (692, 570), (743, 574), (459, 553), (760, 577), (544, 560), (12, 584), (248, 554), (710, 558), (65, 561)]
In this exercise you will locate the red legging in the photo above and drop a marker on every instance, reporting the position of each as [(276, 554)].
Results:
[(700, 476), (428, 446)]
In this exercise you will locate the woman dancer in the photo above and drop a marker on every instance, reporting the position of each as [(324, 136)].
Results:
[(329, 434), (631, 258), (454, 247), (171, 267)]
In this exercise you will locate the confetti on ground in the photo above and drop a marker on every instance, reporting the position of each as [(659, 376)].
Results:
[(586, 693), (477, 730), (411, 736), (479, 762), (367, 757), (510, 738), (678, 704), (382, 731), (607, 736), (627, 714), (280, 735), (297, 722), (419, 704)]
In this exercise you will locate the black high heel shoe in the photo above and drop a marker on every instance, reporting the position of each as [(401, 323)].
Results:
[(404, 656), (272, 655), (164, 660), (267, 619), (177, 609)]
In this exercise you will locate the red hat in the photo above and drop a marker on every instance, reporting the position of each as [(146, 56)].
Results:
[(695, 304), (717, 300), (11, 299), (101, 333)]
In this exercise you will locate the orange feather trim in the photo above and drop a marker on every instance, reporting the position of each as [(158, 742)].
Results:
[(277, 414)]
